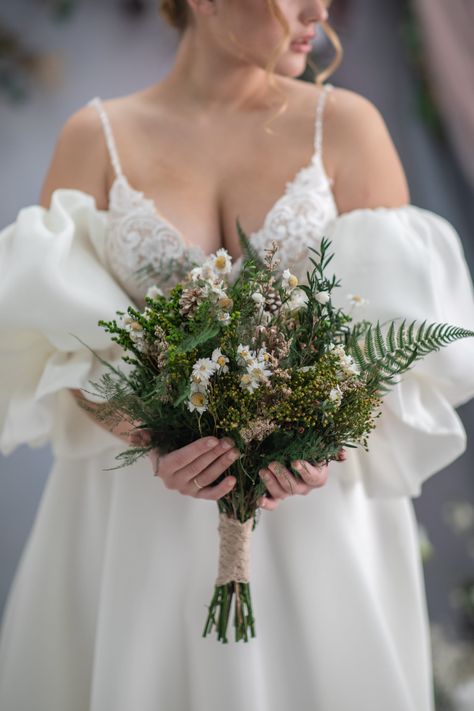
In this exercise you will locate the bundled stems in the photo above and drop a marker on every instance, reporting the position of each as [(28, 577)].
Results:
[(232, 585), (220, 609)]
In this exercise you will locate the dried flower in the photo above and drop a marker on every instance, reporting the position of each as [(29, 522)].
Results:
[(257, 429)]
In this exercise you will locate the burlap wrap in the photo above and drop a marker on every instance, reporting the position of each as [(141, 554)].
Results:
[(234, 551)]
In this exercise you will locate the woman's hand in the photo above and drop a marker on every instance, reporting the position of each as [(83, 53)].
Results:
[(191, 470), (280, 482)]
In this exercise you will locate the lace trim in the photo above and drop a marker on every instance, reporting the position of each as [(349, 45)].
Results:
[(139, 236)]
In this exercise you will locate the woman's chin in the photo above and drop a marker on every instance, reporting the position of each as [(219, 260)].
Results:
[(292, 65)]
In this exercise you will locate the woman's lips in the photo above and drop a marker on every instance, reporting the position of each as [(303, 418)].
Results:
[(300, 46)]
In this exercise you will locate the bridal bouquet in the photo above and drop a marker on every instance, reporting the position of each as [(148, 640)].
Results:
[(270, 363)]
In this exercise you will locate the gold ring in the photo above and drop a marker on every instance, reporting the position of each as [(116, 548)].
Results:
[(197, 484)]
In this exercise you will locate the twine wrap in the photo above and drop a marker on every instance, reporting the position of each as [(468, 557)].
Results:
[(234, 550)]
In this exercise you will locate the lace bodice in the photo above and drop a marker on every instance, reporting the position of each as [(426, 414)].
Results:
[(139, 237)]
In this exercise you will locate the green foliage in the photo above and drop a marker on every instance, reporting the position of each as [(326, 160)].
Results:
[(384, 356)]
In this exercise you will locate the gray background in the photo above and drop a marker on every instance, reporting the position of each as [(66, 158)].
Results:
[(107, 54)]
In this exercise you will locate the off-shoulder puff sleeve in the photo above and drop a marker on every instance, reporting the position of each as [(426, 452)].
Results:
[(54, 288), (408, 262)]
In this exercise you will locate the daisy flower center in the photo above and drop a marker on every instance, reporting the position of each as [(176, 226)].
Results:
[(198, 399)]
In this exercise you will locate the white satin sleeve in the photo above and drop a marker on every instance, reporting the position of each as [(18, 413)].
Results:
[(54, 288), (409, 263)]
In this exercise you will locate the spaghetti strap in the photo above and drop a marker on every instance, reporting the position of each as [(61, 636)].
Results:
[(109, 138), (318, 139)]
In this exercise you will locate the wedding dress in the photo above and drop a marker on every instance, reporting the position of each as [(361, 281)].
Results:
[(109, 600)]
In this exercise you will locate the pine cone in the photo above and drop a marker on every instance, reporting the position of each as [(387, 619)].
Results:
[(190, 300), (272, 300)]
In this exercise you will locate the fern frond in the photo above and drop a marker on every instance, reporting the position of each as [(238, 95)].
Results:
[(383, 357), (248, 251)]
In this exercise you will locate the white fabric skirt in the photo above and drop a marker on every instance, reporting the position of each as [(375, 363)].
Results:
[(110, 599)]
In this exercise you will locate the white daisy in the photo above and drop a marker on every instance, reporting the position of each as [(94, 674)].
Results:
[(221, 261), (289, 280), (244, 353), (357, 300), (257, 371), (262, 354), (205, 368), (221, 360), (197, 400), (195, 273), (248, 383)]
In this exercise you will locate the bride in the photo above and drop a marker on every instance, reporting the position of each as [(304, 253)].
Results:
[(107, 606)]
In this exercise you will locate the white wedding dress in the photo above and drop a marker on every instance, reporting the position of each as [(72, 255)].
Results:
[(109, 601)]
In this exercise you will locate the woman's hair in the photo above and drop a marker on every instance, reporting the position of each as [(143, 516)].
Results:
[(176, 13), (179, 15)]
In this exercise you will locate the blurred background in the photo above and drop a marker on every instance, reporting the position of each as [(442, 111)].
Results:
[(415, 60)]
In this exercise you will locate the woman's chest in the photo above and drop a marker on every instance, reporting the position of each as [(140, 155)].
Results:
[(144, 248)]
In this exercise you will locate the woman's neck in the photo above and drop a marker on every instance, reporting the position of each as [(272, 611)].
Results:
[(208, 81)]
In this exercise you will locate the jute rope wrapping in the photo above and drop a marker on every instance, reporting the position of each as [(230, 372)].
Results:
[(234, 552)]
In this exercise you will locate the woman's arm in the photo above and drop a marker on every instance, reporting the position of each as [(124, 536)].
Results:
[(80, 162), (368, 169)]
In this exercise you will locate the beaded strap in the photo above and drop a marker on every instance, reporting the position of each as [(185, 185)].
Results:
[(97, 103)]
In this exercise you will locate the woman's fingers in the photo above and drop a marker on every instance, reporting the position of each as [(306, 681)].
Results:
[(211, 463), (205, 451), (180, 458), (314, 475), (281, 483), (266, 502), (217, 491), (198, 475), (183, 480), (287, 481)]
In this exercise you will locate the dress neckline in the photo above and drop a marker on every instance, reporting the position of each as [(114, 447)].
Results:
[(152, 207)]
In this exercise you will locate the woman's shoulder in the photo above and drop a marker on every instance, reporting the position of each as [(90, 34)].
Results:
[(79, 158), (368, 171)]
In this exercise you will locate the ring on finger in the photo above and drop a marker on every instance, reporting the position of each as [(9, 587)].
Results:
[(197, 484)]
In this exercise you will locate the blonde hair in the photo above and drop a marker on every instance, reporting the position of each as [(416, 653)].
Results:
[(177, 13)]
